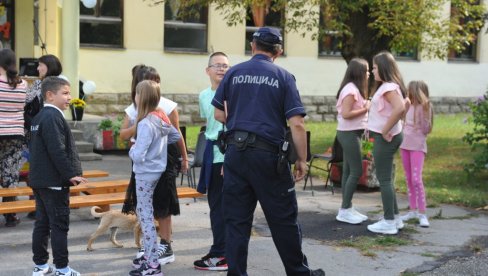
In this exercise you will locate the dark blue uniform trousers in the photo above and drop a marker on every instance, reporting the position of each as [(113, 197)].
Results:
[(216, 212), (251, 176)]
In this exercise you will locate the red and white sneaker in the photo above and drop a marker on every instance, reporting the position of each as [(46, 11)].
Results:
[(211, 263)]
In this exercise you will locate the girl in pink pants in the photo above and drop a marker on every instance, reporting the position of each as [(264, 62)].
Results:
[(418, 124)]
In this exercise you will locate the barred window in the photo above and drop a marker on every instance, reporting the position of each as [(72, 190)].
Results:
[(102, 25)]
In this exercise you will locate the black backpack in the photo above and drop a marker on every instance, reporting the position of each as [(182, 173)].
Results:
[(30, 111)]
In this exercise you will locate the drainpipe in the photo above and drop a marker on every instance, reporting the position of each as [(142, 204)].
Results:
[(70, 43)]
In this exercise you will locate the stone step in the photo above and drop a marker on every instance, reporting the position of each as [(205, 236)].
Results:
[(84, 147), (78, 134), (90, 156)]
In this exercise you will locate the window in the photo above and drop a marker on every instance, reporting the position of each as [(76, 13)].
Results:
[(185, 27), (7, 24), (262, 16), (329, 40), (102, 25), (405, 55), (469, 52)]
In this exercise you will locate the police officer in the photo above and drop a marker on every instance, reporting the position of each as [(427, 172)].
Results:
[(256, 99)]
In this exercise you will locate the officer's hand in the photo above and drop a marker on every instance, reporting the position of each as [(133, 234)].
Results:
[(300, 171)]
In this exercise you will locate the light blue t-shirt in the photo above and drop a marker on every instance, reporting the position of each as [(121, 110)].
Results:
[(213, 126)]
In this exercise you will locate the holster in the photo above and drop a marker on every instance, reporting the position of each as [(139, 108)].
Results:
[(221, 141)]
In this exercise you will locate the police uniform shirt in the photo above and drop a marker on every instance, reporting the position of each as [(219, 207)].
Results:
[(260, 97)]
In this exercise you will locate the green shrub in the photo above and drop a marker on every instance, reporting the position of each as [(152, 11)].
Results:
[(478, 138)]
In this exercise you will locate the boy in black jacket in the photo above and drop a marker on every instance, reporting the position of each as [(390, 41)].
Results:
[(54, 166)]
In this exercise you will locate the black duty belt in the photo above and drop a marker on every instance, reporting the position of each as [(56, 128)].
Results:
[(252, 141)]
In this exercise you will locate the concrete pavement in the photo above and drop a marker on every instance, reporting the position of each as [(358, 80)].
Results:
[(192, 237)]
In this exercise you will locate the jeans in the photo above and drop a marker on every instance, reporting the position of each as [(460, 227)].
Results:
[(383, 154), (52, 220), (352, 165)]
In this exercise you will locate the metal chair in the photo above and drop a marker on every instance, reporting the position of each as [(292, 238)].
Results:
[(196, 161), (334, 157)]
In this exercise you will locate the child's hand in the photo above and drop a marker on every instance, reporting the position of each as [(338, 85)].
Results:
[(78, 180), (387, 136)]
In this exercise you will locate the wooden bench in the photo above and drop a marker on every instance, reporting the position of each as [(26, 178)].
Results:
[(24, 175), (100, 199), (99, 187)]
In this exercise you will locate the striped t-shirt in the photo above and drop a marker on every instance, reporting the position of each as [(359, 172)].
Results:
[(12, 102)]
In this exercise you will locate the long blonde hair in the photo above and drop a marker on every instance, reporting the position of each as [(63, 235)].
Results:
[(149, 96), (418, 93)]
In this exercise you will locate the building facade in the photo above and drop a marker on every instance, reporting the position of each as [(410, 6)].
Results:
[(102, 44)]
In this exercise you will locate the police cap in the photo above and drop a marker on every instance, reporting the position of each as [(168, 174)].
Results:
[(268, 35)]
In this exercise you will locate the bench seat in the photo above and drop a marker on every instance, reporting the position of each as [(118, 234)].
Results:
[(101, 199), (109, 186)]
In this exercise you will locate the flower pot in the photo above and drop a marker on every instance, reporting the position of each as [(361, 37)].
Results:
[(77, 113), (108, 140)]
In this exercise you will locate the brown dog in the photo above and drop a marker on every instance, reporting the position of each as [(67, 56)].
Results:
[(113, 220)]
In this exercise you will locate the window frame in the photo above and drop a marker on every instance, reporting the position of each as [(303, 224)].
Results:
[(180, 24), (83, 18), (254, 28), (453, 56)]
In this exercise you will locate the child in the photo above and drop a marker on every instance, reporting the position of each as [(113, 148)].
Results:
[(166, 203), (211, 180), (387, 108), (418, 123), (352, 108), (149, 157), (54, 166)]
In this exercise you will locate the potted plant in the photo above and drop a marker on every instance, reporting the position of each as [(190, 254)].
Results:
[(107, 134), (77, 107), (116, 125)]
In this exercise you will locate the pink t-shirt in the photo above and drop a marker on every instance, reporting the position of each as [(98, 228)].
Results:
[(355, 123), (417, 126), (381, 109)]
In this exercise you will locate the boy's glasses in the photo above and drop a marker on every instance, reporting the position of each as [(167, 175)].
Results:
[(220, 66)]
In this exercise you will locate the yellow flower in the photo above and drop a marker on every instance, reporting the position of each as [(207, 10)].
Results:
[(78, 103)]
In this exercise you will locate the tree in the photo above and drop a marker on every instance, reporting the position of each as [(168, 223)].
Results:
[(365, 27)]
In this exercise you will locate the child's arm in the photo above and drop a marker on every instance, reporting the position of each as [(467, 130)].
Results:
[(173, 135), (425, 120), (127, 132), (144, 138)]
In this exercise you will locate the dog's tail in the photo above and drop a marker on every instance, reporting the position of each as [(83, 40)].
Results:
[(95, 213)]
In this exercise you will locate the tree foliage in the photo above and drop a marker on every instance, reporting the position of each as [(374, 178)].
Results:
[(365, 27)]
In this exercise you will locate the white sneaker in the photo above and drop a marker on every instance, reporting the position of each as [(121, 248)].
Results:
[(408, 216), (43, 271), (384, 227), (355, 212), (71, 272), (347, 216), (423, 221), (399, 222), (140, 253)]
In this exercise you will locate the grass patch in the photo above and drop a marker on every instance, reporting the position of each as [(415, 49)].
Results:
[(368, 245), (444, 178), (430, 255)]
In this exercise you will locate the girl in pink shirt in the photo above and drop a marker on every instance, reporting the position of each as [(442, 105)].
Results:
[(387, 108), (418, 123), (352, 109)]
